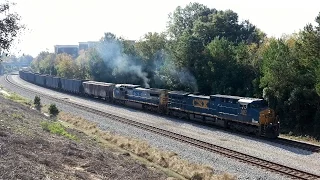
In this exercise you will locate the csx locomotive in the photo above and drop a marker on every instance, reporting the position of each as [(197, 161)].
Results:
[(241, 113)]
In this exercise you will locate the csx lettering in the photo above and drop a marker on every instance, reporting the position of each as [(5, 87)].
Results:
[(201, 103)]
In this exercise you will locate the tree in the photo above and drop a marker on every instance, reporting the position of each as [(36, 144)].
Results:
[(9, 26), (48, 64), (82, 63), (66, 67), (182, 19), (227, 77), (25, 59), (150, 47), (151, 51), (35, 64)]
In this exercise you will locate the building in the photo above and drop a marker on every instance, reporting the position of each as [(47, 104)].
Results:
[(87, 45), (72, 50)]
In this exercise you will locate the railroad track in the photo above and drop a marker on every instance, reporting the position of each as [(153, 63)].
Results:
[(298, 144), (258, 162)]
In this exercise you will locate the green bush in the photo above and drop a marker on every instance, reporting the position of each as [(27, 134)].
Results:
[(56, 128), (53, 110), (37, 101)]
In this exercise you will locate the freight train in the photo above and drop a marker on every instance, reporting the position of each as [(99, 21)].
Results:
[(249, 115)]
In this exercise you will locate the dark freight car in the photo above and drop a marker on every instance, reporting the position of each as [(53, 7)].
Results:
[(56, 83), (30, 77), (99, 89), (72, 85), (49, 80), (52, 82), (41, 80), (22, 75), (104, 90), (87, 87)]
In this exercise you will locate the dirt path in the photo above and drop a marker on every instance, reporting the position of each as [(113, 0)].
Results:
[(29, 152)]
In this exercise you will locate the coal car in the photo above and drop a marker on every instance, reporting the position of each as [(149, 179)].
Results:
[(99, 89), (53, 82), (72, 85)]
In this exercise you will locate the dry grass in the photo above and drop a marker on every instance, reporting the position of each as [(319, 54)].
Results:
[(168, 160), (17, 98)]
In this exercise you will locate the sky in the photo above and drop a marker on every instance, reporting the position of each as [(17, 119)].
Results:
[(67, 22)]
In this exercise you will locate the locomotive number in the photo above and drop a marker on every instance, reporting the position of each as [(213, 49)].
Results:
[(201, 103), (244, 112)]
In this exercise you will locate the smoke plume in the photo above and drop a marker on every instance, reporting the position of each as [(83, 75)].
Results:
[(111, 53), (168, 73)]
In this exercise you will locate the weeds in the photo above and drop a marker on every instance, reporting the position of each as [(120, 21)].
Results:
[(17, 116), (57, 128), (19, 99)]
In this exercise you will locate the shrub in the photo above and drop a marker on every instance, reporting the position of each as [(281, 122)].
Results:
[(53, 110), (37, 101)]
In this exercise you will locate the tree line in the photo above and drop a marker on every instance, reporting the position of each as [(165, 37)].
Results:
[(210, 51)]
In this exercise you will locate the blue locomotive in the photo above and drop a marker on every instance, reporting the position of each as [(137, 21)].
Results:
[(240, 113)]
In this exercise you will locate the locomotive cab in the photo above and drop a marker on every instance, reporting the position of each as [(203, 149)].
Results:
[(121, 90), (268, 122)]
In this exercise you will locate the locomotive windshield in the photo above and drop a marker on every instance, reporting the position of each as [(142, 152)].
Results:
[(259, 104)]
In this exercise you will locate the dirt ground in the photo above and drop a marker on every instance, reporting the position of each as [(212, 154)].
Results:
[(29, 152)]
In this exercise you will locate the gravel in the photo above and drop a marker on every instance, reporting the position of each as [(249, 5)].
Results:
[(267, 150)]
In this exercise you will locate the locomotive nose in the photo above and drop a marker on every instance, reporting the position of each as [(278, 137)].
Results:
[(269, 123)]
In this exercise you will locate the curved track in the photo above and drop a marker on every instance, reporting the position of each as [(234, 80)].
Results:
[(258, 162)]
